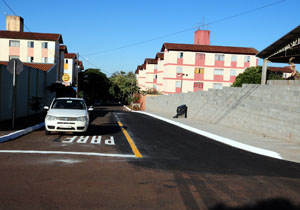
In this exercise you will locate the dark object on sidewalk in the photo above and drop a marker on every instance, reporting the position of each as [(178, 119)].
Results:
[(181, 110)]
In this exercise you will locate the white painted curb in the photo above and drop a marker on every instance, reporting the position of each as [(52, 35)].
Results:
[(127, 108), (221, 139), (21, 132)]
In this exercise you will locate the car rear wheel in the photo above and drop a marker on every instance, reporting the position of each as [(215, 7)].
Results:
[(47, 132)]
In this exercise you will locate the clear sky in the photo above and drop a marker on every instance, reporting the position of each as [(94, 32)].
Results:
[(93, 27)]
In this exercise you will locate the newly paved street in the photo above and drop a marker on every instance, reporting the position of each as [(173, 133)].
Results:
[(101, 169)]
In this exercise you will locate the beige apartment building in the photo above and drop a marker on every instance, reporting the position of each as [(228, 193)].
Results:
[(70, 68), (29, 47)]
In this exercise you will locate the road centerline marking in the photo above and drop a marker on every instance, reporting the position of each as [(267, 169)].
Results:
[(130, 141)]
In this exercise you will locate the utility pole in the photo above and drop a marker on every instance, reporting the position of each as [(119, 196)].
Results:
[(14, 95), (77, 66), (182, 74), (15, 67), (264, 72)]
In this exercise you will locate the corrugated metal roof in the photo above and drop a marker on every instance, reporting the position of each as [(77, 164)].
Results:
[(283, 49)]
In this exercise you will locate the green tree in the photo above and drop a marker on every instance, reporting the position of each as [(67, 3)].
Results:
[(93, 85), (123, 86), (252, 75)]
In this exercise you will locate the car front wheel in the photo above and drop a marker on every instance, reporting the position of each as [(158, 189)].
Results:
[(47, 132)]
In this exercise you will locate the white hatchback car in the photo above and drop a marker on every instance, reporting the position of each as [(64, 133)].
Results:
[(67, 115)]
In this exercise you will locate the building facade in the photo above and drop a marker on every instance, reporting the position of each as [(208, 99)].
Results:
[(190, 68), (29, 47), (195, 67), (160, 71), (70, 68)]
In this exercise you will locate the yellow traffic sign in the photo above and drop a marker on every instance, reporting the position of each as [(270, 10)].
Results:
[(66, 77)]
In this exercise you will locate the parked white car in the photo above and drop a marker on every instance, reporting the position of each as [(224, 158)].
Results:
[(67, 115)]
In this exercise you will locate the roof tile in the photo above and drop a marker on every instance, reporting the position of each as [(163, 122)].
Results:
[(208, 48), (31, 36), (70, 55), (40, 66)]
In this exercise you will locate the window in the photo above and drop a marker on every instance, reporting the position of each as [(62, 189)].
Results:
[(247, 58), (218, 72), (232, 72), (68, 104), (155, 76), (155, 66), (13, 43), (178, 70), (44, 60), (233, 58), (66, 61), (30, 59), (198, 85), (219, 57), (13, 56), (178, 84), (218, 86), (30, 44), (44, 44), (180, 55), (199, 70)]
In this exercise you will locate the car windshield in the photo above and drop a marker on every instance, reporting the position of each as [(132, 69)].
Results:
[(68, 104)]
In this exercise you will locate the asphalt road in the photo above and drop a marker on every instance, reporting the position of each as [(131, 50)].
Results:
[(102, 170)]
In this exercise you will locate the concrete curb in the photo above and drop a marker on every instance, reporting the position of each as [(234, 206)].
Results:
[(220, 139), (127, 108), (19, 133)]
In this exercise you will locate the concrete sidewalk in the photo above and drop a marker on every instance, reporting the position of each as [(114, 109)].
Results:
[(23, 126), (287, 150)]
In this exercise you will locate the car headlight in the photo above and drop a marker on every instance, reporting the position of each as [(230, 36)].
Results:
[(50, 117), (82, 118)]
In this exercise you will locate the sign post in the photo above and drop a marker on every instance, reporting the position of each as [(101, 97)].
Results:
[(15, 66)]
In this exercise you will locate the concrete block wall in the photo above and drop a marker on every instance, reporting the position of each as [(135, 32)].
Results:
[(270, 110)]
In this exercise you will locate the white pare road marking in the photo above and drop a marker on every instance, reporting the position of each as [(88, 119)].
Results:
[(67, 153), (93, 140)]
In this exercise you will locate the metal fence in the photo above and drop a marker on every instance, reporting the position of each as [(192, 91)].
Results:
[(31, 87)]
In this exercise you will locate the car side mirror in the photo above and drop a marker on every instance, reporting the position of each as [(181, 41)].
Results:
[(46, 107), (91, 109)]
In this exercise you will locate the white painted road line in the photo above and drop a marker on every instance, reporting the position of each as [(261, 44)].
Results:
[(221, 139), (21, 132), (67, 153)]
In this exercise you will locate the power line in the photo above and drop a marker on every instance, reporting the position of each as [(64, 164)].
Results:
[(14, 13), (188, 29), (56, 56), (246, 12), (86, 59), (9, 7)]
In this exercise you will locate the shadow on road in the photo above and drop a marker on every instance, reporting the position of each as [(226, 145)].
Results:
[(270, 204)]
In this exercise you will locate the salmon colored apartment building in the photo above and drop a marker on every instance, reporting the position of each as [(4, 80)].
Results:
[(193, 67)]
